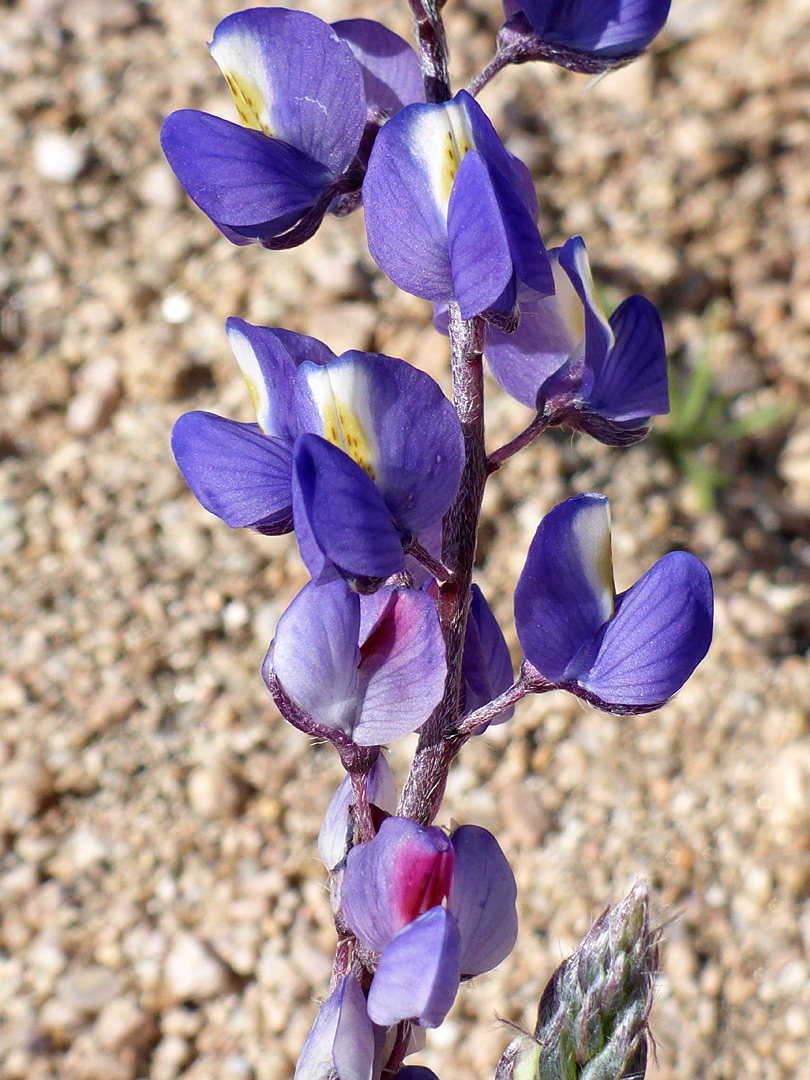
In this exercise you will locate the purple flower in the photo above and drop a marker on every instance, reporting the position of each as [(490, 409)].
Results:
[(584, 35), (371, 667), (366, 448), (625, 654), (310, 98), (343, 1039), (576, 367), (450, 214), (437, 909)]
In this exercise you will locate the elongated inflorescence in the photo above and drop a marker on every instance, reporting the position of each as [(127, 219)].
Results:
[(381, 478)]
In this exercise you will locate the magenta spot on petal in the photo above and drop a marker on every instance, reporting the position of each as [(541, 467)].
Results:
[(380, 643), (424, 876)]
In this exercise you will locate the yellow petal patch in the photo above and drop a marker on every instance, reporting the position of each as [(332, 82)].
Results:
[(249, 104), (341, 395), (241, 61)]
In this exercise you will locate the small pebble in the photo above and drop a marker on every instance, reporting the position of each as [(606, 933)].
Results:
[(28, 784), (215, 793), (122, 1025), (90, 988), (170, 1056), (57, 157), (192, 972), (176, 308), (99, 391)]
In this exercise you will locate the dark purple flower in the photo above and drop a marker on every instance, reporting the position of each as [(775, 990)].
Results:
[(372, 667), (450, 214), (576, 367), (628, 653), (343, 1039), (310, 98), (583, 35), (437, 909), (367, 447)]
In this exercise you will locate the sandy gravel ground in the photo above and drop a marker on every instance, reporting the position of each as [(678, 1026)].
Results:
[(162, 908)]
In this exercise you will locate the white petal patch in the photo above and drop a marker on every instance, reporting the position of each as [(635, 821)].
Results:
[(242, 62), (342, 396), (591, 534), (583, 267), (569, 306), (253, 376), (441, 137)]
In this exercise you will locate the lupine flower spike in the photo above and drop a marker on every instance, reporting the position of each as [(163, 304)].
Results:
[(382, 480), (624, 654)]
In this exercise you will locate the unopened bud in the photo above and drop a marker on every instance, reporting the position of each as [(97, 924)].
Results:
[(593, 1015)]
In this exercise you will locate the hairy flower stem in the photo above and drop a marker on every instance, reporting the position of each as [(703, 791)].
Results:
[(433, 51), (363, 823), (496, 64), (527, 436), (476, 722), (438, 741)]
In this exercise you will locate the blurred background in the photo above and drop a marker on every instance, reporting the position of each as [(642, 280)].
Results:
[(162, 907)]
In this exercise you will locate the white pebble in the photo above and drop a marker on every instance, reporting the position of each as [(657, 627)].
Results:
[(192, 971), (235, 615), (176, 308), (57, 157), (124, 1024)]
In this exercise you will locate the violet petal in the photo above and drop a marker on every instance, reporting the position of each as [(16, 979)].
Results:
[(391, 880), (396, 423), (255, 186), (661, 631), (294, 79), (341, 515), (402, 666), (391, 73), (565, 592), (482, 899), (315, 653), (631, 384), (418, 973), (235, 471), (480, 260)]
